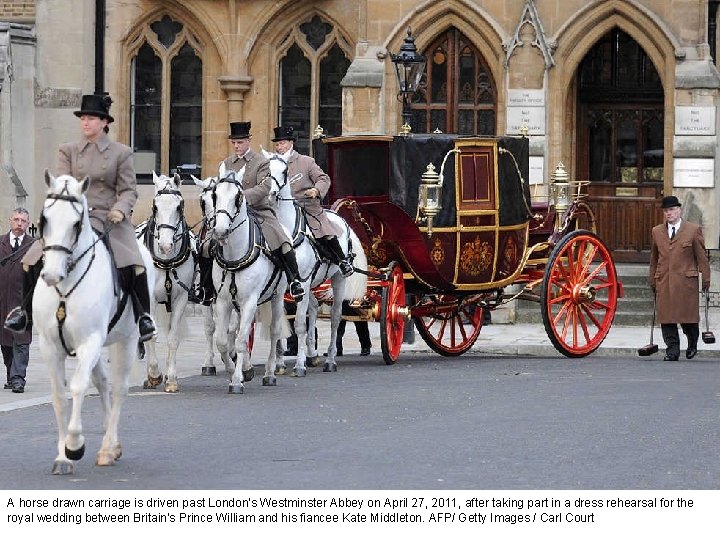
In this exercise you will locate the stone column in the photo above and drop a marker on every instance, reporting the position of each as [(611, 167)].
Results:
[(235, 87)]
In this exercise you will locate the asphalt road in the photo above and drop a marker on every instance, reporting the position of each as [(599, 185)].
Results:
[(424, 423)]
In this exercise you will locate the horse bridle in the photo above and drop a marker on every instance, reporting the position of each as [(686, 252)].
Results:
[(181, 224), (72, 200), (229, 179)]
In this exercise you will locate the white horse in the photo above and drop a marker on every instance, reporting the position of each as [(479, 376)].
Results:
[(314, 271), (171, 243), (244, 277), (207, 208), (78, 310)]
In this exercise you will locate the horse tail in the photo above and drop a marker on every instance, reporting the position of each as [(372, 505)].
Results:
[(356, 284), (263, 320)]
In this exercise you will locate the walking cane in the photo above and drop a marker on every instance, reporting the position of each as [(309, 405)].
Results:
[(652, 348), (707, 335)]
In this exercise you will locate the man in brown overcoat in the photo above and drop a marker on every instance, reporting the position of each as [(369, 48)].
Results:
[(309, 184), (677, 259), (256, 184), (15, 347)]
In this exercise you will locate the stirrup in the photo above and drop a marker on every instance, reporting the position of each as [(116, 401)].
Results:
[(16, 321), (346, 269), (296, 290)]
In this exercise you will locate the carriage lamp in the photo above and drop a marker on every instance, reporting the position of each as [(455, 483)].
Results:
[(409, 68), (560, 189), (319, 132), (429, 196)]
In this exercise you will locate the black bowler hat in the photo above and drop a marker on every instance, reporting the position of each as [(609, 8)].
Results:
[(284, 133), (239, 130), (670, 202), (96, 105)]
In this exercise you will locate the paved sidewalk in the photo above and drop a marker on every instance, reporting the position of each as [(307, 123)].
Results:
[(494, 340)]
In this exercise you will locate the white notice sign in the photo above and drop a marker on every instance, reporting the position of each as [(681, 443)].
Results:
[(526, 98), (694, 172), (533, 118), (694, 120), (537, 170)]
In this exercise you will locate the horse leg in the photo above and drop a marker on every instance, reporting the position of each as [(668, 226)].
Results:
[(173, 342), (276, 327), (311, 351), (100, 380), (154, 375), (208, 366), (122, 355), (246, 319), (232, 335), (88, 355), (338, 285), (56, 366), (301, 331), (222, 314)]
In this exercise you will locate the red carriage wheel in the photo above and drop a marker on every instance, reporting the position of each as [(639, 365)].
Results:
[(447, 326), (392, 315), (579, 294)]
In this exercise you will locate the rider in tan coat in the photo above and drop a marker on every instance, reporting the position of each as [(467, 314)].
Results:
[(309, 184), (111, 197), (256, 184)]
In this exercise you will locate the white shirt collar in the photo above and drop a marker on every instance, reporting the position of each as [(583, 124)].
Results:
[(677, 227)]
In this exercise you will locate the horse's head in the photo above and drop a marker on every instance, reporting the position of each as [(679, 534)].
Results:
[(62, 221), (280, 188), (168, 212), (207, 207), (228, 201)]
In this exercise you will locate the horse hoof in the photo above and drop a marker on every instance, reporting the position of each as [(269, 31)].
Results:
[(269, 381), (62, 467), (280, 370), (105, 458), (249, 375), (312, 361), (329, 368), (75, 455), (208, 370), (172, 388), (152, 382), (299, 372), (236, 389)]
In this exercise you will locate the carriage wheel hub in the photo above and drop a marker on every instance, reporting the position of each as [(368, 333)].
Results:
[(583, 294)]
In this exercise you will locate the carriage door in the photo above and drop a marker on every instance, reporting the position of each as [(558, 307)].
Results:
[(620, 143)]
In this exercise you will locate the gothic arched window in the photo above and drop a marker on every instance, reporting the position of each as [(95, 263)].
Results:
[(457, 93), (315, 58), (166, 99)]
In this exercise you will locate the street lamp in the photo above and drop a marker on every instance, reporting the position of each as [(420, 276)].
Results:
[(409, 68)]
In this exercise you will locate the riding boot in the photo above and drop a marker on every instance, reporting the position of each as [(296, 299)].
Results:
[(207, 288), (146, 324), (19, 319), (332, 244), (293, 274)]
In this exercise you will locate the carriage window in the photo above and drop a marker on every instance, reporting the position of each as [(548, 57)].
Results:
[(166, 101), (457, 92), (314, 61)]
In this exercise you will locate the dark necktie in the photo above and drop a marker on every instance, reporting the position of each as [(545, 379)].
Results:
[(16, 245), (672, 233)]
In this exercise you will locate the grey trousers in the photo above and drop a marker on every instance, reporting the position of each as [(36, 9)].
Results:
[(16, 358)]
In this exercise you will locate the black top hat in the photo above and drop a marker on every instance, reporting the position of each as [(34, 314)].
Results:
[(239, 130), (96, 105), (670, 201), (284, 133)]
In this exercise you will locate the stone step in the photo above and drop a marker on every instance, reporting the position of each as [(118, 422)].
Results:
[(622, 318)]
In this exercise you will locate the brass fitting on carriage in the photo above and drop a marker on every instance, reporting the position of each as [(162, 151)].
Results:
[(565, 193)]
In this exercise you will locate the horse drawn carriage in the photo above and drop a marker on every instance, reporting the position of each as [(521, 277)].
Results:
[(449, 231)]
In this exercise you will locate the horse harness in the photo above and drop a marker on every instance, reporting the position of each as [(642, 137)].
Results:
[(170, 265)]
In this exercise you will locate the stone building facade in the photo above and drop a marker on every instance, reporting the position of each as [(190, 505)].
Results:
[(623, 92)]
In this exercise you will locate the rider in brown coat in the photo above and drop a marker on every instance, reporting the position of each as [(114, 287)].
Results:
[(111, 197), (677, 258), (309, 184), (256, 184)]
